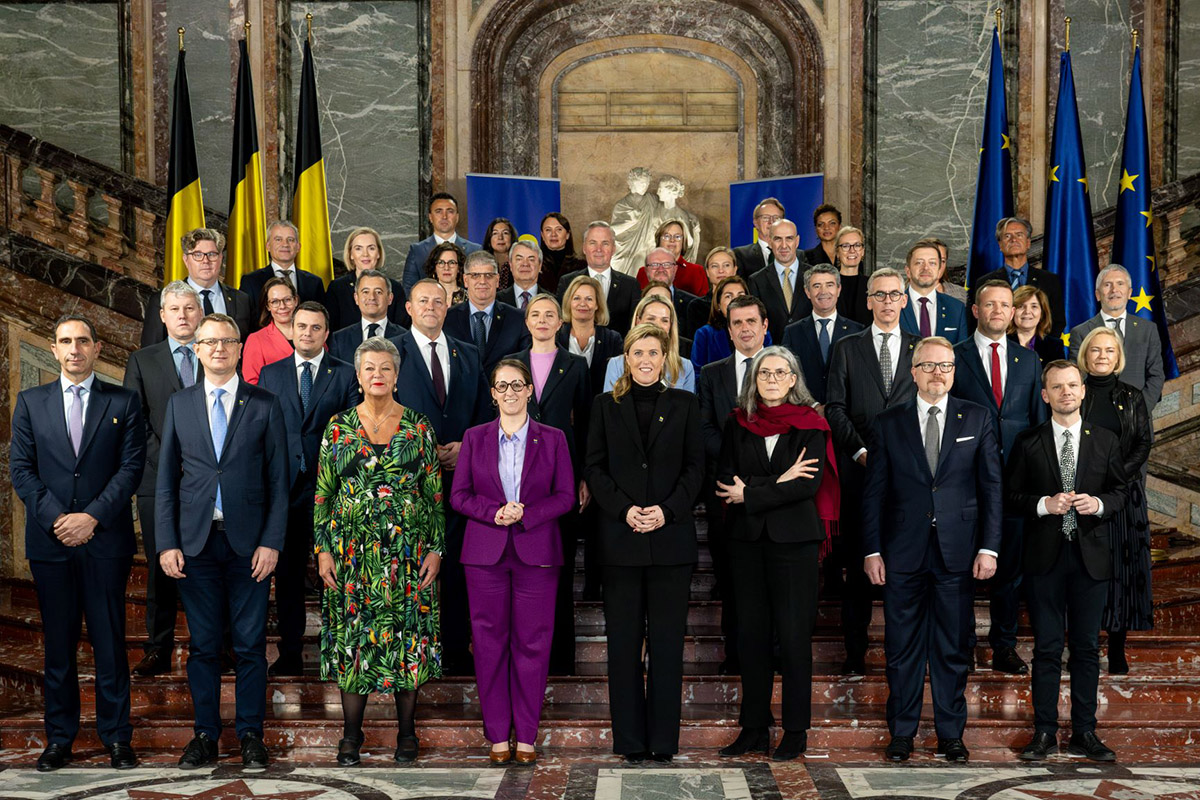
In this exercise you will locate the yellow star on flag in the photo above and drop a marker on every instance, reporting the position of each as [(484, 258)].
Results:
[(1127, 181), (1141, 300), (1083, 180), (1007, 142), (1066, 339), (1149, 215), (1054, 174), (1153, 264)]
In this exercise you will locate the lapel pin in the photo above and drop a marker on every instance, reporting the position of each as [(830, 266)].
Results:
[(660, 419), (241, 402), (114, 420), (560, 372), (1087, 432), (959, 416)]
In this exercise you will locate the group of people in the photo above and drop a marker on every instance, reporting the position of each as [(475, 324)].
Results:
[(442, 443)]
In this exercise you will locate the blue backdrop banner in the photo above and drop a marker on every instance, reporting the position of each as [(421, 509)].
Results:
[(524, 201), (800, 195)]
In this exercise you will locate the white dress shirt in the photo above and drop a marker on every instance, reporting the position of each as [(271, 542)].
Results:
[(817, 323), (287, 273), (587, 352), (893, 344), (518, 288), (439, 240), (605, 278), (367, 323), (766, 250), (914, 302), (69, 398), (741, 363), (984, 345), (770, 442), (1076, 432), (215, 295), (230, 387), (443, 350), (301, 361), (1107, 319)]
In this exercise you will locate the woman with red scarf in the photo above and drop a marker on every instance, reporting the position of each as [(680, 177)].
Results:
[(778, 475)]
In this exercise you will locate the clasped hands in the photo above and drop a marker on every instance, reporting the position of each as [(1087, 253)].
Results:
[(75, 529), (802, 468), (510, 514), (645, 519), (1063, 502)]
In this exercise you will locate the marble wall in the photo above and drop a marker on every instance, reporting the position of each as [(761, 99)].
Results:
[(1188, 147), (61, 76)]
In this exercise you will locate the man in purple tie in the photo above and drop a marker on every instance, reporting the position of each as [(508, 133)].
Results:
[(930, 312)]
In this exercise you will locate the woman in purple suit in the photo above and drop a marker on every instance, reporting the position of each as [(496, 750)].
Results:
[(514, 480)]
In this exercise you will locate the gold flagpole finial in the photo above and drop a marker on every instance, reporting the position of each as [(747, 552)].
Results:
[(1068, 36), (246, 28), (308, 18), (999, 16), (180, 32), (1134, 33)]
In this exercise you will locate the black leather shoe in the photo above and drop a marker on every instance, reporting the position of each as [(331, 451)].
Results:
[(854, 665), (1089, 744), (791, 745), (156, 662), (954, 750), (254, 752), (348, 752), (56, 756), (750, 740), (730, 666), (286, 667), (1006, 660), (200, 750), (121, 756), (661, 758), (1042, 747), (636, 758), (899, 748), (971, 661), (407, 749)]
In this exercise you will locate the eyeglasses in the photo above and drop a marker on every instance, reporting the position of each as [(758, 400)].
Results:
[(671, 237), (453, 263), (228, 342), (280, 302), (504, 386), (215, 255), (480, 276), (769, 218), (777, 375), (944, 367), (660, 264), (852, 246), (885, 296)]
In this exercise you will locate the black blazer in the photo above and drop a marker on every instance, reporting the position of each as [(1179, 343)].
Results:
[(468, 402), (683, 301), (852, 302), (854, 391), (339, 302), (623, 296), (749, 259), (1048, 282), (1032, 473), (151, 373), (565, 402), (609, 343), (817, 255), (764, 285), (783, 512), (237, 305), (697, 313), (622, 472), (1136, 435), (308, 286), (508, 334), (717, 388), (801, 338), (343, 342)]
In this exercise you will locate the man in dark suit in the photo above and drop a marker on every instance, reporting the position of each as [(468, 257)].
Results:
[(779, 286), (869, 371), (363, 250), (311, 387), (827, 221), (373, 297), (995, 373), (442, 377), (929, 312), (661, 268), (525, 262), (1014, 234), (812, 338), (220, 520), (203, 251), (932, 506), (718, 387), (443, 216), (1139, 337), (496, 329), (621, 292), (1065, 477), (757, 255), (283, 245), (77, 454), (155, 373)]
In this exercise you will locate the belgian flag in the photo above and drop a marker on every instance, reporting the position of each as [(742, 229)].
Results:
[(247, 234), (310, 205), (185, 204)]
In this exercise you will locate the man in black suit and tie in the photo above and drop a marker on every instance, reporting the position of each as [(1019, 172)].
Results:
[(812, 338), (311, 387), (525, 262), (718, 387), (932, 508), (283, 245), (77, 454), (757, 255), (621, 292), (496, 329), (220, 519), (779, 286), (155, 373), (1014, 235), (661, 268), (373, 296), (203, 251), (1066, 477), (869, 371), (443, 216)]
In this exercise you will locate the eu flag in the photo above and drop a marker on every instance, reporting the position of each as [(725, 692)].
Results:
[(993, 189), (1070, 244), (1133, 242)]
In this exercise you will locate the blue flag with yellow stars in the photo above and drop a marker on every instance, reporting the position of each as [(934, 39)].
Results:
[(993, 188), (1070, 244), (1133, 242)]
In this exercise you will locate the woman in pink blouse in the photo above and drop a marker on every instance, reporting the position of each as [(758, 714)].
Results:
[(274, 340)]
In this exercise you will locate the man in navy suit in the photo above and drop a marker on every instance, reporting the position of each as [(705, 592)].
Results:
[(812, 338), (373, 296), (283, 245), (311, 387), (443, 216), (525, 262), (220, 519), (932, 506), (930, 312), (441, 377), (757, 255), (496, 329), (77, 454), (1014, 236), (661, 267), (621, 291), (1005, 379)]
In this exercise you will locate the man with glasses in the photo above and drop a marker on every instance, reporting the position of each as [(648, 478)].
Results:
[(283, 245), (1014, 235), (757, 255), (496, 329), (929, 312), (662, 267), (203, 250), (931, 527), (779, 286), (827, 221), (373, 296)]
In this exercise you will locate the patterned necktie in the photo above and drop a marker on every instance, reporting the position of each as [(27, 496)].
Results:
[(286, 274), (787, 288), (925, 329), (306, 383), (220, 424), (187, 369), (479, 330), (1115, 324), (933, 440), (208, 306), (997, 388), (823, 340), (1014, 278), (75, 424), (885, 362), (524, 299), (1066, 467), (439, 378), (372, 331)]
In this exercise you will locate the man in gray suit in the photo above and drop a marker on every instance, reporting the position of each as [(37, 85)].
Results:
[(443, 216), (1143, 349)]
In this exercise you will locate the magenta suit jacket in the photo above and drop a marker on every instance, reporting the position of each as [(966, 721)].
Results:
[(547, 490)]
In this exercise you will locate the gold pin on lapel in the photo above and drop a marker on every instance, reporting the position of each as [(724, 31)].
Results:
[(114, 420), (560, 372), (660, 419)]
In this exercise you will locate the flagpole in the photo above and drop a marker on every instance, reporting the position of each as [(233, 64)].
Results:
[(180, 32), (308, 18), (999, 16), (1067, 38)]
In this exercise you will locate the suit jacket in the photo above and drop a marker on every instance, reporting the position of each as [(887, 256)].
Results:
[(51, 480), (683, 301), (339, 302), (697, 313), (749, 259), (801, 338), (343, 342), (418, 253), (623, 296), (817, 255), (334, 390), (951, 322), (547, 492), (252, 473), (717, 390), (902, 498), (609, 343), (667, 472), (1143, 354), (468, 402), (509, 296), (151, 373), (1032, 473), (508, 333), (1047, 281), (764, 285), (1022, 407), (308, 286), (566, 401), (854, 395), (237, 305)]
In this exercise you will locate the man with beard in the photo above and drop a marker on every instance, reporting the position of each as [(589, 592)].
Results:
[(930, 312)]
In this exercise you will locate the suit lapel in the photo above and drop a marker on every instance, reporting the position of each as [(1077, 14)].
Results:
[(532, 443), (659, 419), (912, 436), (629, 417), (200, 410), (321, 380), (97, 410), (1014, 358), (412, 351), (974, 366), (954, 423), (729, 376), (867, 348), (491, 454), (58, 402), (235, 419), (166, 363), (1047, 440), (558, 369)]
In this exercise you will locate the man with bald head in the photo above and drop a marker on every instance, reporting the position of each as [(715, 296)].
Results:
[(661, 266), (779, 285)]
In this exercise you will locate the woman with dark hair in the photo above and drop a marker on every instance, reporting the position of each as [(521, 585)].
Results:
[(690, 277), (445, 265), (1031, 324), (711, 341), (558, 251), (273, 340), (497, 240)]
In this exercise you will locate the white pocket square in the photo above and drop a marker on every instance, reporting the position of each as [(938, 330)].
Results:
[(964, 438)]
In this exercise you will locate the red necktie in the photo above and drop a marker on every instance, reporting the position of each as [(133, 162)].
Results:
[(997, 389)]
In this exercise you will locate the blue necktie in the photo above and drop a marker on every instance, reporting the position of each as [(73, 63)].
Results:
[(823, 340), (220, 424), (479, 330), (1015, 279), (187, 370), (306, 383)]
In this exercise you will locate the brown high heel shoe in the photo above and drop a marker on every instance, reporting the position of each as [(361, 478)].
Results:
[(525, 757), (500, 756)]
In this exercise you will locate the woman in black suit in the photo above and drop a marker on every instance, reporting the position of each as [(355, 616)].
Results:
[(778, 475), (1031, 324), (645, 462)]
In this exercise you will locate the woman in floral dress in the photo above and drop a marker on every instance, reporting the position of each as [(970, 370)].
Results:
[(380, 534)]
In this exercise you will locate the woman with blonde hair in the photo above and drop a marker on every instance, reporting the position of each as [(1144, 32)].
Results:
[(363, 250), (677, 371), (851, 248)]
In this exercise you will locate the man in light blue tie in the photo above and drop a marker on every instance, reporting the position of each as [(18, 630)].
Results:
[(495, 328), (1014, 236), (812, 337)]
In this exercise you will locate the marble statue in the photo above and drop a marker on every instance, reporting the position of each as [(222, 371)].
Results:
[(671, 189), (635, 217)]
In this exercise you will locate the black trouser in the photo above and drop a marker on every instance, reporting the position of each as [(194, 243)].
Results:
[(162, 592), (719, 547), (857, 591), (292, 571), (776, 588), (1004, 588), (562, 647)]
